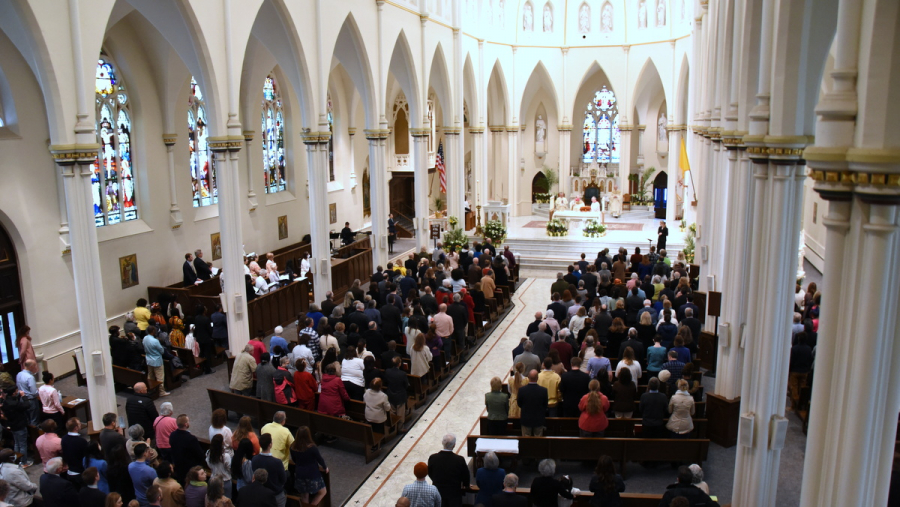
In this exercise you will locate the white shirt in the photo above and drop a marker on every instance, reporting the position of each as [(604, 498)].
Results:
[(225, 431), (352, 371), (261, 286), (304, 352), (595, 206), (635, 370), (304, 267)]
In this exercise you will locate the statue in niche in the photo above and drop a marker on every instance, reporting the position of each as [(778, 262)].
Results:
[(661, 129), (540, 130), (468, 178), (606, 18), (584, 19), (548, 18), (642, 14), (528, 19), (660, 12)]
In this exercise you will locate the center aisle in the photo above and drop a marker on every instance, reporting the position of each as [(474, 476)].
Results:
[(457, 409)]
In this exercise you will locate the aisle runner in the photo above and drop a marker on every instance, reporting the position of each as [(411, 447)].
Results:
[(611, 226)]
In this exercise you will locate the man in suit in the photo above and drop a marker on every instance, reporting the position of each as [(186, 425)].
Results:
[(428, 302), (573, 385), (693, 323), (460, 315), (533, 327), (190, 276), (661, 234), (273, 467), (531, 361), (448, 473), (186, 450), (54, 489), (346, 234), (688, 304), (684, 488), (654, 408), (90, 495), (633, 304), (391, 320), (410, 265), (201, 267), (256, 494), (541, 340), (560, 285), (557, 306), (636, 346), (508, 497), (533, 400), (590, 284), (392, 233)]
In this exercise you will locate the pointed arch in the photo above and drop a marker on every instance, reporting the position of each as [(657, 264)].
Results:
[(682, 95), (470, 91), (350, 51), (402, 67), (648, 86), (439, 81), (497, 96), (539, 79)]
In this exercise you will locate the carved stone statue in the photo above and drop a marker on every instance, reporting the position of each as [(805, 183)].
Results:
[(660, 12), (661, 129), (528, 19), (584, 19), (606, 18), (642, 14), (540, 130), (548, 18)]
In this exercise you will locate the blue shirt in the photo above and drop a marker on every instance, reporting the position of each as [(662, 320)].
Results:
[(684, 354), (490, 482), (142, 476), (153, 351), (597, 364), (25, 382), (277, 341), (101, 466), (656, 356)]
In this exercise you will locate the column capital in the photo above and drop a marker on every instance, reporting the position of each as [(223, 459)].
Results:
[(310, 138), (68, 154), (568, 128), (475, 130), (351, 131), (226, 143), (248, 135), (376, 134), (497, 128), (169, 139), (512, 128), (451, 131), (420, 132)]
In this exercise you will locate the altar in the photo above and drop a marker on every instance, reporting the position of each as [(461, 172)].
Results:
[(579, 215)]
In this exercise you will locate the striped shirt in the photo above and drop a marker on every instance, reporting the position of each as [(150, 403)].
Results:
[(422, 494)]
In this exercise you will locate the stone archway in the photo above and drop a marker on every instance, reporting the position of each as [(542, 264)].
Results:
[(12, 310), (539, 185), (660, 194)]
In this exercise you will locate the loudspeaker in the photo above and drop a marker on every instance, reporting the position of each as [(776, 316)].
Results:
[(710, 282), (97, 363), (777, 431), (725, 334), (745, 433), (714, 304)]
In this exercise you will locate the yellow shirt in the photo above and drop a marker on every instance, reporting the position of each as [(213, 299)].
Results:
[(281, 441), (142, 317), (549, 380)]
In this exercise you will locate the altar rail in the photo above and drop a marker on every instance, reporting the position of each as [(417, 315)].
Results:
[(186, 296), (344, 271), (278, 308)]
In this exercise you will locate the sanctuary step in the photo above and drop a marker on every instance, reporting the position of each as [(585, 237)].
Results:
[(541, 210), (557, 253)]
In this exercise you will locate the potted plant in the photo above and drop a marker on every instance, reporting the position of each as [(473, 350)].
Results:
[(438, 207), (557, 227), (455, 237), (690, 244), (542, 198), (552, 176), (494, 229), (594, 229)]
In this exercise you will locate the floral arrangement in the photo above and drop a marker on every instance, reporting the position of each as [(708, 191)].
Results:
[(682, 226), (690, 244), (453, 222), (456, 238), (557, 227), (494, 229), (541, 198), (593, 229)]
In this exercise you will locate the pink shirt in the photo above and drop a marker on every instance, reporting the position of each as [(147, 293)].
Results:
[(164, 426), (49, 446), (443, 325), (50, 400), (259, 348), (26, 351)]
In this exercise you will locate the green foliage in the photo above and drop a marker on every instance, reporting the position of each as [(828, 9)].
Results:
[(456, 237), (593, 229), (552, 176), (557, 227), (438, 203), (494, 229), (542, 198), (690, 243)]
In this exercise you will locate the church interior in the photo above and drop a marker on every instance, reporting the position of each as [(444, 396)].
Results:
[(338, 136)]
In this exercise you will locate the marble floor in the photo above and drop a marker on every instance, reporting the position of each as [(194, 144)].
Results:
[(517, 229)]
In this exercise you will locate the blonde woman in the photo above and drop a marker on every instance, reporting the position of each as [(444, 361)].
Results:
[(681, 408), (420, 356), (519, 379)]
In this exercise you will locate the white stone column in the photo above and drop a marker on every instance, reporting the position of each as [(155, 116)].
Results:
[(512, 135), (252, 202), (624, 156), (565, 155), (779, 190), (75, 163), (478, 148), (377, 178), (420, 165), (673, 173), (175, 219), (226, 152), (456, 190), (317, 170)]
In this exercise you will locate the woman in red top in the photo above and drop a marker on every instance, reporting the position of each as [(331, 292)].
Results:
[(305, 386), (333, 395), (593, 405)]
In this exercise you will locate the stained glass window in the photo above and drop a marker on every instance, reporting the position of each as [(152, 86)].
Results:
[(112, 182), (600, 130), (203, 169), (273, 137), (329, 111)]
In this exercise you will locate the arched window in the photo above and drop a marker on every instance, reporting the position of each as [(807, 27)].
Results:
[(112, 184), (329, 111), (273, 137), (203, 168), (601, 129)]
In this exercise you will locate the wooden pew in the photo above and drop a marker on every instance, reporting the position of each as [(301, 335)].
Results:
[(278, 308), (173, 376), (699, 406), (344, 271), (128, 378), (583, 498), (296, 417), (621, 450), (568, 427)]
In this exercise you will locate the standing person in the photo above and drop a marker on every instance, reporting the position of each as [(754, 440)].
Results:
[(245, 430), (274, 466), (49, 445), (392, 233), (241, 466), (654, 408), (305, 386), (172, 492), (111, 435), (54, 489), (497, 403), (532, 400), (203, 268), (186, 450), (140, 409), (91, 495), (220, 327), (549, 380), (26, 350), (218, 457), (573, 385), (334, 393), (142, 474), (50, 401), (21, 489), (800, 365), (378, 408), (686, 489), (242, 372), (203, 336), (397, 383), (153, 351), (94, 458), (217, 425), (308, 467), (593, 406), (256, 493), (26, 383), (518, 381), (546, 489), (265, 373), (624, 394), (16, 408), (74, 448), (187, 269), (662, 233), (281, 438), (681, 408), (606, 484), (163, 426), (195, 487), (449, 473), (489, 479), (420, 493), (117, 472)]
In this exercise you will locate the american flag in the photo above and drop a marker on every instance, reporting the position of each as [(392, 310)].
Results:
[(439, 165)]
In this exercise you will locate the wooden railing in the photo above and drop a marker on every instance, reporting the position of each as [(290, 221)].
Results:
[(344, 271), (187, 297), (348, 250), (278, 308), (293, 253)]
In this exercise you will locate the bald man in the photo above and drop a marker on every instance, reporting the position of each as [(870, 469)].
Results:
[(140, 409), (403, 502), (27, 383)]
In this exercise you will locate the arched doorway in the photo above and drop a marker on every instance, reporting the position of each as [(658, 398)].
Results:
[(539, 185), (12, 312), (660, 195)]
